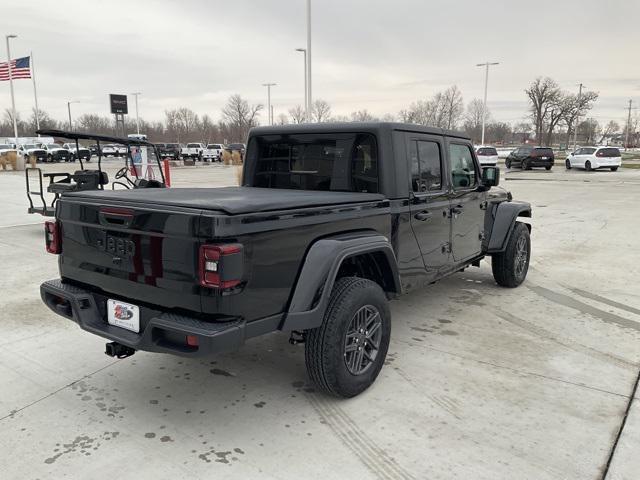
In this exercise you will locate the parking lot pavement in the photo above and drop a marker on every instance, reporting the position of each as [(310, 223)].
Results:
[(480, 382)]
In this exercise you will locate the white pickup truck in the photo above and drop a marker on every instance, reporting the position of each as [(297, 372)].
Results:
[(193, 150), (213, 152)]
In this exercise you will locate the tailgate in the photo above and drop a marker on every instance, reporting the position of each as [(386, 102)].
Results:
[(132, 251)]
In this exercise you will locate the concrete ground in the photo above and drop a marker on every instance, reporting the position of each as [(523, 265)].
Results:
[(481, 382)]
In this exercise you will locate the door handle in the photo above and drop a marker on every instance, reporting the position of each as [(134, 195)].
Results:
[(424, 215), (457, 209)]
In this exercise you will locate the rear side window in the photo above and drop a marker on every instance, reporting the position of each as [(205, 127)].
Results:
[(487, 151), (345, 162), (463, 170), (608, 152), (426, 166)]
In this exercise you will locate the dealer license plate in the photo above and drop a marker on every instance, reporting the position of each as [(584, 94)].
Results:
[(123, 315)]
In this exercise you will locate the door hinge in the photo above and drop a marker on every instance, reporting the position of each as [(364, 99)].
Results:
[(446, 247), (483, 205), (481, 236)]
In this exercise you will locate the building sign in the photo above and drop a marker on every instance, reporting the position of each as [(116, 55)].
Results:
[(118, 103)]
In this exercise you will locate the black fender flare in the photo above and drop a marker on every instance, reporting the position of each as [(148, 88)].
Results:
[(504, 220), (321, 264)]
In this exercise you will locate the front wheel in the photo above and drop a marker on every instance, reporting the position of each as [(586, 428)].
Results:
[(344, 355), (547, 167), (614, 169), (507, 163), (511, 266)]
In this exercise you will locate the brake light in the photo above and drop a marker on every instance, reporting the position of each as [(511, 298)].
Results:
[(600, 154), (52, 238), (220, 265)]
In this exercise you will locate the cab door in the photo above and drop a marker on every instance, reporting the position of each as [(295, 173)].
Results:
[(468, 205), (429, 201)]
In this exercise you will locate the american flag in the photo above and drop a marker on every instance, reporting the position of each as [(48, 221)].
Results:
[(20, 68)]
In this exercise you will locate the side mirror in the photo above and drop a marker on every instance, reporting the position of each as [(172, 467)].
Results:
[(490, 177)]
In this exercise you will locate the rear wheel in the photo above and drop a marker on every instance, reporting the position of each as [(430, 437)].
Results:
[(547, 167), (525, 165), (507, 163), (587, 166), (345, 354), (567, 163), (614, 169), (511, 266)]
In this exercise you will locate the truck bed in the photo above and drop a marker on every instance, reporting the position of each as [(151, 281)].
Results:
[(230, 200)]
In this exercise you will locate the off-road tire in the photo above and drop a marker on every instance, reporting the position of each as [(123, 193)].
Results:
[(325, 350), (506, 271)]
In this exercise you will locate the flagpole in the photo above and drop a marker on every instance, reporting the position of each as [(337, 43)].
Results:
[(13, 102), (35, 92)]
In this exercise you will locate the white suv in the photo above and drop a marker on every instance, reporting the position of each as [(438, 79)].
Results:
[(487, 156), (591, 158)]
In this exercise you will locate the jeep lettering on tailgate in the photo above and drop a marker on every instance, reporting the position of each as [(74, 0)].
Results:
[(116, 245)]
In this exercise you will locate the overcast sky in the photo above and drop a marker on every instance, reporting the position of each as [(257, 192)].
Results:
[(367, 54)]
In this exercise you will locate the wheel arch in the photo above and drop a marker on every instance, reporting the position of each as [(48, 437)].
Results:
[(365, 254), (505, 216)]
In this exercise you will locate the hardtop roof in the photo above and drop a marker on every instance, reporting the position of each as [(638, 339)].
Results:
[(350, 127)]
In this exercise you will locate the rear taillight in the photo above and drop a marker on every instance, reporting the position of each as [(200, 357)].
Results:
[(221, 265), (52, 237), (599, 154)]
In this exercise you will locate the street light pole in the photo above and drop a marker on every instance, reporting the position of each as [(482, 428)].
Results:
[(135, 94), (626, 137), (269, 85), (69, 110), (306, 91), (575, 121), (486, 85), (13, 102), (308, 55)]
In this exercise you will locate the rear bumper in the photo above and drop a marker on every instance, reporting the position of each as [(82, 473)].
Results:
[(538, 162), (159, 331)]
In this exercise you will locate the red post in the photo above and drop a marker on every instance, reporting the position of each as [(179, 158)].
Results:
[(167, 172)]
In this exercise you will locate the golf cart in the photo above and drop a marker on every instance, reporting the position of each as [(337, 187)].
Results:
[(134, 174)]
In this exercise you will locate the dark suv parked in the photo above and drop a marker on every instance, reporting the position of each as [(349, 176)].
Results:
[(528, 157)]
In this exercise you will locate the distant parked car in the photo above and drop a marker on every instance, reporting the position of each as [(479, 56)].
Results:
[(110, 151), (213, 152), (56, 153), (592, 158), (487, 156), (528, 157), (122, 150), (94, 149), (33, 149), (82, 152), (170, 150), (236, 147), (193, 150)]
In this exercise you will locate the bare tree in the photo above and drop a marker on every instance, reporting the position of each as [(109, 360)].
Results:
[(452, 107), (473, 119), (579, 106), (321, 111), (543, 95), (238, 117), (610, 128), (362, 116), (297, 114), (282, 119), (589, 129), (92, 123)]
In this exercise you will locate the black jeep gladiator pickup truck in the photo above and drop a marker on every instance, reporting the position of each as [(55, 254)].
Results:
[(330, 223)]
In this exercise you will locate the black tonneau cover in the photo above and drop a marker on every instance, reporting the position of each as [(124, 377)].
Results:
[(231, 200)]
